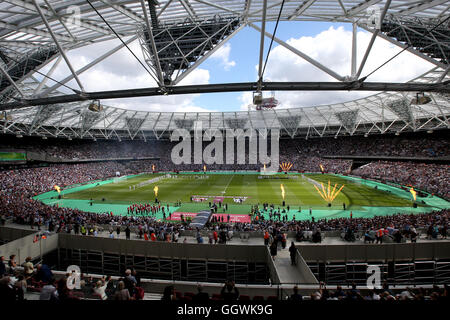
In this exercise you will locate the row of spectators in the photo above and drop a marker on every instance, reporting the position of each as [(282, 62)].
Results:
[(433, 178), (409, 145), (230, 293), (16, 282)]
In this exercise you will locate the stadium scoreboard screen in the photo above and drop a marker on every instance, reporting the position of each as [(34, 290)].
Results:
[(13, 156)]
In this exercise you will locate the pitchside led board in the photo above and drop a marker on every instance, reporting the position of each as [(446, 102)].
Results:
[(13, 156)]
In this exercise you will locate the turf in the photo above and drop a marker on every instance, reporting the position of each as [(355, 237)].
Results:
[(364, 198), (299, 191)]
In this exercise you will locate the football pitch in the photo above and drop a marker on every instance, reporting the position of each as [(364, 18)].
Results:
[(240, 191)]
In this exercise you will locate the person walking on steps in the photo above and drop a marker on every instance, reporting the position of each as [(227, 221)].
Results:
[(293, 253)]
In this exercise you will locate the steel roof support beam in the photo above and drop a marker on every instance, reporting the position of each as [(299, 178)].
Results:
[(48, 75), (88, 66), (163, 8), (233, 87), (354, 50), (2, 70), (59, 19), (302, 8), (123, 10), (23, 44), (248, 4), (188, 9), (54, 15), (218, 7), (444, 11), (443, 75), (152, 40), (60, 48), (34, 31), (422, 7), (261, 44), (301, 54), (362, 6), (372, 40), (410, 49), (343, 7), (276, 4), (207, 55)]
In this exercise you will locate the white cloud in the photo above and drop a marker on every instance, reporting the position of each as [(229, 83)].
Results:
[(223, 54), (332, 48), (245, 99), (123, 71), (177, 103)]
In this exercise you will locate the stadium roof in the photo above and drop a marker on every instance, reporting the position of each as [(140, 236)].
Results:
[(35, 33)]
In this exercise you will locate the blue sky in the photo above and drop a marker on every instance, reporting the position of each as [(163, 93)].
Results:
[(245, 52)]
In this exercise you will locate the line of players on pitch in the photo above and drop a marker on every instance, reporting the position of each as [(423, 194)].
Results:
[(146, 209)]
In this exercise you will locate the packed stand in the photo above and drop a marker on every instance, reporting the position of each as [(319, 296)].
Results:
[(434, 178), (420, 144)]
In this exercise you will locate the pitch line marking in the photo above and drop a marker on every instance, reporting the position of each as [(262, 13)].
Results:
[(224, 190)]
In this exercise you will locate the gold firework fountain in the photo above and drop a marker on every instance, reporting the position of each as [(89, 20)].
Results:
[(58, 189), (155, 189), (322, 168), (283, 193), (414, 194), (329, 194), (286, 166)]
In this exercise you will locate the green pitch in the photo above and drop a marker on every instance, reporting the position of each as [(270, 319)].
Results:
[(13, 156), (298, 191), (361, 197)]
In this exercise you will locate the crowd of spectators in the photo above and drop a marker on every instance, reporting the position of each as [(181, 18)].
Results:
[(16, 281), (17, 187), (409, 145), (395, 228), (382, 294), (434, 178)]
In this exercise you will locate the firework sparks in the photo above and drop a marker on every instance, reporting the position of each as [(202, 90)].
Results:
[(286, 166), (414, 193), (329, 194)]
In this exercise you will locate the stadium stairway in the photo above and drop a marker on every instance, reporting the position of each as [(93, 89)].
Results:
[(289, 274), (201, 219)]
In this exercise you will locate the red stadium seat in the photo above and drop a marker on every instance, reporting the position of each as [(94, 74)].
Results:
[(96, 296), (79, 295), (216, 296), (179, 295)]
